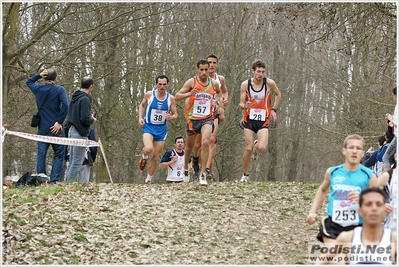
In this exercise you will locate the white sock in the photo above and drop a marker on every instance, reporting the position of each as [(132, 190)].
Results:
[(144, 156), (148, 179)]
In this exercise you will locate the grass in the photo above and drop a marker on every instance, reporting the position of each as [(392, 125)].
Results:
[(225, 223)]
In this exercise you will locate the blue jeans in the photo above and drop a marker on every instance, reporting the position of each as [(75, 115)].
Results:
[(58, 161), (76, 156)]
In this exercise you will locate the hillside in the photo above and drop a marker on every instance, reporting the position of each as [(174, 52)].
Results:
[(224, 223)]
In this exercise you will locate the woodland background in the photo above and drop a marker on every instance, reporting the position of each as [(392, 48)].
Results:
[(335, 64)]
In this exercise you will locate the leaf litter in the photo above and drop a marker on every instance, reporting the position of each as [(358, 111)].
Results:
[(224, 223)]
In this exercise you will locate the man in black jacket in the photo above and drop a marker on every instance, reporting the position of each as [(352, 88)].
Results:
[(79, 119)]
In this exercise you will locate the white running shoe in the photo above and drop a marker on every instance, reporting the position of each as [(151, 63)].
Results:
[(186, 178), (203, 179), (244, 179)]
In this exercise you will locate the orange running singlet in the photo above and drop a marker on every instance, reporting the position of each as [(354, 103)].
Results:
[(200, 105), (260, 104)]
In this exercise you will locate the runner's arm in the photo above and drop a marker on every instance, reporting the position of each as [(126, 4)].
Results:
[(142, 106), (272, 85), (186, 90), (173, 109), (243, 95), (225, 93), (321, 194)]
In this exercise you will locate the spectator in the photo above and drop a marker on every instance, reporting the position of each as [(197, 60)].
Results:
[(53, 113), (79, 119), (387, 140), (84, 172), (371, 157), (391, 122), (388, 181), (7, 181)]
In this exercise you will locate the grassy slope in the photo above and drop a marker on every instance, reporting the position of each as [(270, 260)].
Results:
[(224, 223)]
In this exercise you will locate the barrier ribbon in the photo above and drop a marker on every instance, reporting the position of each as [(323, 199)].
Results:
[(54, 139), (59, 141)]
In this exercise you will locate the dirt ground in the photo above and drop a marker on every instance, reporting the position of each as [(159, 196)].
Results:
[(227, 223)]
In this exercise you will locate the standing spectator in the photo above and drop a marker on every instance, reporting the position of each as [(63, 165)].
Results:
[(345, 183), (255, 100), (388, 137), (389, 182), (174, 160), (392, 122), (84, 172), (199, 114), (371, 157), (53, 113), (157, 105), (79, 119)]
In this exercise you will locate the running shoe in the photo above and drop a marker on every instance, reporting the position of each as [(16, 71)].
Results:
[(203, 179), (142, 163), (148, 182), (244, 178)]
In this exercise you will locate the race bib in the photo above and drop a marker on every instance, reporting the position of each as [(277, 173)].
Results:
[(157, 116), (257, 114), (201, 108), (345, 213)]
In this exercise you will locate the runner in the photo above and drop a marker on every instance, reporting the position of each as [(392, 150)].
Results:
[(199, 114), (157, 104), (255, 100), (345, 182)]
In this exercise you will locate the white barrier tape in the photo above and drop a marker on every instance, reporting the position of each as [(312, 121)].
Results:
[(54, 140)]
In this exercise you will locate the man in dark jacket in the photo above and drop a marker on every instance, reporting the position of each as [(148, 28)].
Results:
[(79, 119), (53, 113)]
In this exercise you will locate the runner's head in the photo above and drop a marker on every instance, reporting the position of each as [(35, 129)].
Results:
[(353, 149), (372, 205), (213, 62)]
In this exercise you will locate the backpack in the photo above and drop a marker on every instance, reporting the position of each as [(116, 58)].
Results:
[(31, 180)]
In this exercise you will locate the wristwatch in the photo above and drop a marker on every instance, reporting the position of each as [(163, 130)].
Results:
[(274, 109)]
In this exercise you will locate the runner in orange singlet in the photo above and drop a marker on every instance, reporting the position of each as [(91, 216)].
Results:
[(255, 100), (199, 113)]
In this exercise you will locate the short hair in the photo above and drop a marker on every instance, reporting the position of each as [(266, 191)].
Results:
[(213, 56), (258, 64), (162, 77), (86, 82), (179, 137), (394, 90), (51, 74), (369, 190), (353, 137), (202, 62), (6, 178)]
